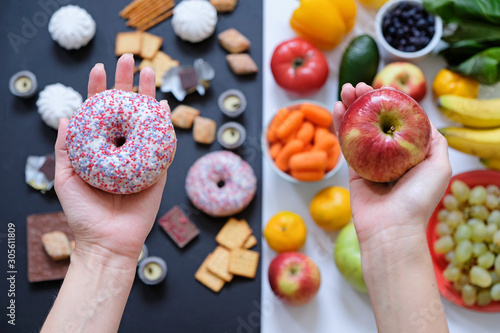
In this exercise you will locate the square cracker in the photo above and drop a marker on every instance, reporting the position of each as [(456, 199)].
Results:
[(233, 41), (57, 245), (150, 44), (207, 278), (204, 130), (128, 42), (251, 242), (219, 263), (160, 63), (241, 64), (183, 116), (234, 233), (243, 262)]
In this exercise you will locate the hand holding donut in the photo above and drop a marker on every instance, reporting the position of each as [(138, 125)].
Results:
[(107, 224)]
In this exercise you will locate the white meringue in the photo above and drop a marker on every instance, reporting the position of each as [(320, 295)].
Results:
[(194, 20), (72, 27), (57, 101)]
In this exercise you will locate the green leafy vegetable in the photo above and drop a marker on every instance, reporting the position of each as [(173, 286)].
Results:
[(457, 53), (471, 31), (484, 66), (460, 10)]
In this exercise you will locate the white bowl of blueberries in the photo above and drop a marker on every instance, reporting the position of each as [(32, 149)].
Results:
[(406, 31)]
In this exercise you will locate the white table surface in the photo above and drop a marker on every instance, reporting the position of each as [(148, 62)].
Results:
[(337, 307)]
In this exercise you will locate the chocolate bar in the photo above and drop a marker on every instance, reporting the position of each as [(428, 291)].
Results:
[(40, 266), (178, 226), (189, 79)]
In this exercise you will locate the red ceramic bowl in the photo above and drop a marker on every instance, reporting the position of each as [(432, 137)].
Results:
[(472, 178)]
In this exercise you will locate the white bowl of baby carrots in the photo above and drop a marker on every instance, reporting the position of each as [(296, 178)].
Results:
[(301, 144)]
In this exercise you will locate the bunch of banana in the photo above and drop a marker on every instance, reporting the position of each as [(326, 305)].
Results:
[(480, 135)]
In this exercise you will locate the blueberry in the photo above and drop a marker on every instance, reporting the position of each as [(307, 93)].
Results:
[(431, 20), (391, 30), (403, 42), (410, 48)]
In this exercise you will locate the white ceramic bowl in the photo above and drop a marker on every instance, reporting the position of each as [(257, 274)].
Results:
[(388, 52), (284, 175)]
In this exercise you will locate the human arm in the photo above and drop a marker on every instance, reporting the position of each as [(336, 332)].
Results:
[(390, 220), (109, 230)]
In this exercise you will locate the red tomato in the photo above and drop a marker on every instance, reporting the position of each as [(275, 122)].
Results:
[(299, 67)]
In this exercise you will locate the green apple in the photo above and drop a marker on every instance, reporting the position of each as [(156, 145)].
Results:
[(348, 257)]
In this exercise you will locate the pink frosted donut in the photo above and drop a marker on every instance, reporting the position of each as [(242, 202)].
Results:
[(120, 142), (221, 184)]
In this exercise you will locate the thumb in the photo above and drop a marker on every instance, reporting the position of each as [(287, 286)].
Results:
[(61, 150)]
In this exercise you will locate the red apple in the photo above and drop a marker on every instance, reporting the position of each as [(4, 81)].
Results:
[(294, 278), (403, 76), (384, 133)]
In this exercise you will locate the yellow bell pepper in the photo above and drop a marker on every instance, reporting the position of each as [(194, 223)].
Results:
[(324, 22), (447, 82)]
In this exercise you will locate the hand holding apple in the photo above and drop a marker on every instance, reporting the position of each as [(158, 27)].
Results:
[(403, 76), (294, 278), (383, 134)]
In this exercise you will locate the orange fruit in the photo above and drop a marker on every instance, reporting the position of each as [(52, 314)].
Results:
[(331, 208), (285, 231)]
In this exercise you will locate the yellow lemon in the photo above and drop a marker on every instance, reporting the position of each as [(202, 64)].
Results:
[(285, 231), (331, 208)]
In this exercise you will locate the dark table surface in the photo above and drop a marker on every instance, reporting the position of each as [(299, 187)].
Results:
[(180, 303)]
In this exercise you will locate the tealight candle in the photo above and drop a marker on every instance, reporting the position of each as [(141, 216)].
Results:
[(143, 254), (231, 135), (23, 84), (152, 270), (232, 103)]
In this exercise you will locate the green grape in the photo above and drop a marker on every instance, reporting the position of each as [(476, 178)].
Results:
[(463, 251), (494, 217), (442, 215), (442, 229), (479, 248), (495, 292), (494, 277), (444, 245), (491, 201), (491, 229), (450, 202), (494, 248), (460, 190), (479, 212), (472, 222), (496, 238), (480, 277), (497, 265), (493, 189), (477, 195), (469, 295), (484, 297), (450, 256), (486, 260), (455, 218), (478, 232), (462, 232), (452, 273), (461, 282)]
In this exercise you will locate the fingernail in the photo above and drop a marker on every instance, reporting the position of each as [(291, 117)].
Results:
[(128, 55), (99, 64), (338, 104)]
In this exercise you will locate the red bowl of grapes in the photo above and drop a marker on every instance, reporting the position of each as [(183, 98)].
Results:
[(459, 235)]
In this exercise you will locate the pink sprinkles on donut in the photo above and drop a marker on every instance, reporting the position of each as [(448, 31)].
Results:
[(221, 184), (120, 142)]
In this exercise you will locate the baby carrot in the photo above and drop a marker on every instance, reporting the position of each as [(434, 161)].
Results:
[(275, 149), (308, 175), (333, 157), (324, 139), (290, 124), (278, 119), (311, 160), (317, 115), (292, 147), (306, 132)]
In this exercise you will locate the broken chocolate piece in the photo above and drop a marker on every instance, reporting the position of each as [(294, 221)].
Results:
[(189, 78), (49, 167), (178, 226)]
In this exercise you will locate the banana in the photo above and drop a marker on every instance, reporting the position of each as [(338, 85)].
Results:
[(491, 163), (479, 113), (484, 143)]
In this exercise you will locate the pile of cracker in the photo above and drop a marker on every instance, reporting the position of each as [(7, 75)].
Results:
[(231, 257)]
